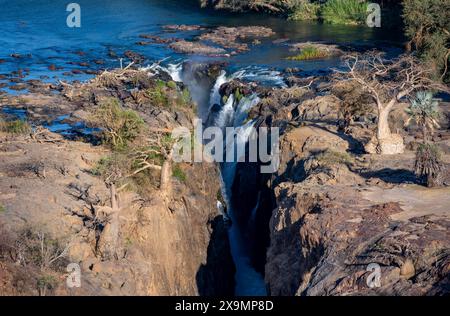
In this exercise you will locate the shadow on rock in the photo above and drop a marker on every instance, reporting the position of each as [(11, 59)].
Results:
[(216, 277), (393, 176)]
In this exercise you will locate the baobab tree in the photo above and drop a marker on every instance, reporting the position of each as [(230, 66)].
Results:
[(160, 144), (387, 81)]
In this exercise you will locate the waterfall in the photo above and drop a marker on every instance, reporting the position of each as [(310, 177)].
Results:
[(215, 94), (249, 282), (175, 71), (226, 114), (244, 106)]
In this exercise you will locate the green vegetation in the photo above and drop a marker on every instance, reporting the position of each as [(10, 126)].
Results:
[(120, 126), (429, 164), (427, 25), (128, 242), (351, 12), (120, 166), (178, 173), (158, 95), (184, 98), (140, 160), (2, 209), (309, 53), (424, 111), (138, 168), (101, 166), (172, 85), (305, 11), (167, 95), (344, 12), (238, 95), (16, 127), (46, 283), (274, 6)]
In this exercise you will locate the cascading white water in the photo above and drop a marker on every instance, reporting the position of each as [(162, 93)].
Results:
[(215, 94), (270, 77), (225, 116), (175, 71), (245, 105), (249, 282)]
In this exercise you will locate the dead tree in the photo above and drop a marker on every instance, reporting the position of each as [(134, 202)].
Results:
[(387, 81)]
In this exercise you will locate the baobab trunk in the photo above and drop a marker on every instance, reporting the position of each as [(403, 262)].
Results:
[(114, 224), (385, 142), (383, 129), (109, 240), (165, 185), (388, 143), (166, 173)]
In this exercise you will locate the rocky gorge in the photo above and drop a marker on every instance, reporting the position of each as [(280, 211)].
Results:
[(87, 176)]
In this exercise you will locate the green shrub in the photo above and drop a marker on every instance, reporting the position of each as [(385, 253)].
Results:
[(178, 173), (427, 25), (344, 12), (429, 164), (305, 11), (168, 95), (15, 127), (120, 167), (184, 98), (120, 126), (158, 95), (424, 110), (2, 209), (46, 283), (102, 166), (172, 85), (186, 95), (309, 53)]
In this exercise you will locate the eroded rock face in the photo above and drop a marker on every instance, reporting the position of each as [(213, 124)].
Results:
[(325, 234), (332, 238), (339, 214), (175, 247)]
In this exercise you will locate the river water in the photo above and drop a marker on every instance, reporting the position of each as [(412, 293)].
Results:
[(38, 27), (37, 30)]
